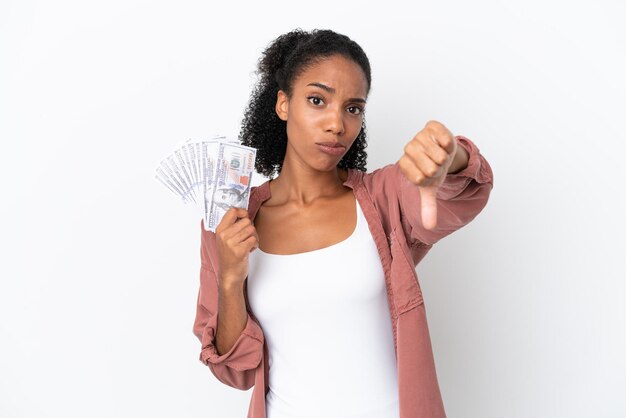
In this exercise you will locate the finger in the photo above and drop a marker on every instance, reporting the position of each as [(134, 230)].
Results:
[(243, 234), (256, 235), (428, 198), (236, 229), (228, 219), (435, 151), (410, 170), (241, 212), (253, 241), (425, 164), (426, 144), (444, 138)]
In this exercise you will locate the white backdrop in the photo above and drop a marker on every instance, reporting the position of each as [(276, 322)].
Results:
[(100, 263)]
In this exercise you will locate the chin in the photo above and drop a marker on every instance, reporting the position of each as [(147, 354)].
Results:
[(328, 167)]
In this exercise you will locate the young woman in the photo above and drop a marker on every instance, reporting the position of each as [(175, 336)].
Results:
[(311, 295)]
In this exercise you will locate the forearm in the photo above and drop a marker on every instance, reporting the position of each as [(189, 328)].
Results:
[(231, 318), (460, 161)]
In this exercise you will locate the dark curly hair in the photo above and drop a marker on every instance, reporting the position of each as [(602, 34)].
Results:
[(280, 64)]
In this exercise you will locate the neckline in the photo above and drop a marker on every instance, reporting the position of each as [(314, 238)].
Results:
[(332, 246), (263, 192)]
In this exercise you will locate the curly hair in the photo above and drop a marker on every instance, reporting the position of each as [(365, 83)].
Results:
[(280, 64)]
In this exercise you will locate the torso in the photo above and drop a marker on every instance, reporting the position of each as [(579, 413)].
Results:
[(325, 222)]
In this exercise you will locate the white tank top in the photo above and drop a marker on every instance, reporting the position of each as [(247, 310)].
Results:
[(327, 325)]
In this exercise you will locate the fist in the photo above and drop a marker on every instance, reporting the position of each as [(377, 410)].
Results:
[(425, 163), (236, 238)]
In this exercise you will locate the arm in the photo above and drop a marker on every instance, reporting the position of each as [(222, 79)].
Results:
[(231, 317), (240, 337)]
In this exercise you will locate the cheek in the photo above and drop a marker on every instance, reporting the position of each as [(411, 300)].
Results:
[(355, 125), (299, 123), (291, 129)]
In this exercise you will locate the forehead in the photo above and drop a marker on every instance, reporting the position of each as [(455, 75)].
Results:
[(338, 72)]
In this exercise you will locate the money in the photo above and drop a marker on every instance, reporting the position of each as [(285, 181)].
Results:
[(213, 175)]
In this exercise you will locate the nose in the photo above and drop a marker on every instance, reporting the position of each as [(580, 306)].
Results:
[(334, 122)]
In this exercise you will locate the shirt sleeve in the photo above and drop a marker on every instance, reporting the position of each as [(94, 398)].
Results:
[(236, 368), (460, 198)]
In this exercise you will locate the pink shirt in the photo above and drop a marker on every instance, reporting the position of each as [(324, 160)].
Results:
[(391, 205)]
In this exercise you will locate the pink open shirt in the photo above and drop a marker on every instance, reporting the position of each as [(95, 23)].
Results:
[(391, 205)]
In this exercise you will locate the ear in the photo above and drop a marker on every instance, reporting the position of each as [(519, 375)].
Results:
[(282, 105)]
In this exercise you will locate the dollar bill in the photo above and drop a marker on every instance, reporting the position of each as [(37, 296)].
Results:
[(232, 182), (213, 175)]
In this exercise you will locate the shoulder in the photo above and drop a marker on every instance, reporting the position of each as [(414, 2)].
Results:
[(382, 180)]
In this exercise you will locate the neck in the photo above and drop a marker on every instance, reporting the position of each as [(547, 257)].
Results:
[(301, 185)]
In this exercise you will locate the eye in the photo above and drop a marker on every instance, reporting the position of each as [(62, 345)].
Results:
[(358, 110), (318, 99)]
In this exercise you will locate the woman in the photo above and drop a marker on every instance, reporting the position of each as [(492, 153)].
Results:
[(331, 322)]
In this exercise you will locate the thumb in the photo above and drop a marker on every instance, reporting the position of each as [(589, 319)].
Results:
[(428, 198)]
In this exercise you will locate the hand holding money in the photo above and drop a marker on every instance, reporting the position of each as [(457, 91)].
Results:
[(213, 175), (236, 238)]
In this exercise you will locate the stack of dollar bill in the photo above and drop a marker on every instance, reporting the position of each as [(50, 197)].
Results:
[(213, 175)]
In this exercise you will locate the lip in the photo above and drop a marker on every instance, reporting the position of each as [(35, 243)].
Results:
[(330, 144), (335, 149)]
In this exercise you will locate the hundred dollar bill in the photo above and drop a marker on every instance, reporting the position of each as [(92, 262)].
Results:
[(170, 173), (169, 183), (232, 182), (210, 157), (183, 171), (212, 175)]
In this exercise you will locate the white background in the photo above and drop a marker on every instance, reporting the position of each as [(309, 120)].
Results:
[(100, 263)]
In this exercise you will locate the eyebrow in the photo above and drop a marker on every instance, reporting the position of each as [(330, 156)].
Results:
[(332, 90)]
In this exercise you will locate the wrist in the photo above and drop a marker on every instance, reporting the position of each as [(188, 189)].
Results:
[(460, 161), (229, 285)]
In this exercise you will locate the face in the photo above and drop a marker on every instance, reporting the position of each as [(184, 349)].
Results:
[(227, 196), (327, 104)]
